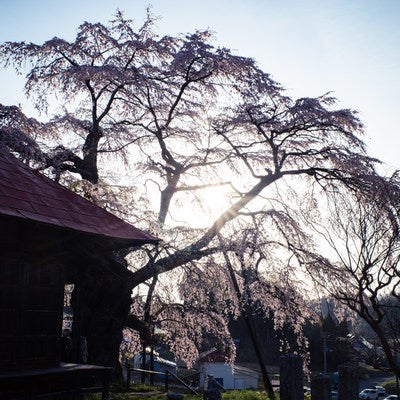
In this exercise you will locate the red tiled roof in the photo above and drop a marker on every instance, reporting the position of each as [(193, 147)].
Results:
[(27, 194)]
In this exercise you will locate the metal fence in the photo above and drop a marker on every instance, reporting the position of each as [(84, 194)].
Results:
[(168, 376)]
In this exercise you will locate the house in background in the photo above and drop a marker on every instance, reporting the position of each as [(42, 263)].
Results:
[(49, 236), (229, 376)]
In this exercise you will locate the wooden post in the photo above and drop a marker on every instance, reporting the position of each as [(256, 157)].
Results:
[(348, 381), (291, 377), (128, 376), (167, 381), (320, 387), (105, 394)]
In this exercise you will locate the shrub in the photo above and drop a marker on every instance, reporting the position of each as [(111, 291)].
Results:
[(245, 395)]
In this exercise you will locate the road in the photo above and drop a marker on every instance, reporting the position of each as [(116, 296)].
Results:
[(376, 380)]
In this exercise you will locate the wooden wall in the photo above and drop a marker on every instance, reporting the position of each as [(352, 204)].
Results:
[(31, 296)]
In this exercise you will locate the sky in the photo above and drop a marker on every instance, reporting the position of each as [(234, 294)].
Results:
[(350, 48)]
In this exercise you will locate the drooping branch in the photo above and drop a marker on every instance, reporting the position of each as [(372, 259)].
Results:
[(247, 314)]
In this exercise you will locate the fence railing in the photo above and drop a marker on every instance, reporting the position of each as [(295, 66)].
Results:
[(219, 385), (168, 375)]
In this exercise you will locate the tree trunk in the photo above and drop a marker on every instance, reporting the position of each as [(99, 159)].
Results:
[(388, 349), (247, 315), (257, 349), (166, 195), (143, 363)]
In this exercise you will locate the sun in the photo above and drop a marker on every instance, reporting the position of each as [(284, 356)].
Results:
[(201, 208)]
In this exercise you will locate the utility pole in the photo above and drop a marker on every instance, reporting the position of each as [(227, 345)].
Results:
[(397, 376), (325, 351)]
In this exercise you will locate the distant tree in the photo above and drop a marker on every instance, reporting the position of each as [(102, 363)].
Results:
[(180, 116), (391, 304), (362, 271), (374, 355), (329, 341)]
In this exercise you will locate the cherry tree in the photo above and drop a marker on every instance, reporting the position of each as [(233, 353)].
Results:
[(18, 133), (176, 116)]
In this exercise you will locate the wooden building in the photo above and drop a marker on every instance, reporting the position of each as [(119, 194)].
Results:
[(48, 236)]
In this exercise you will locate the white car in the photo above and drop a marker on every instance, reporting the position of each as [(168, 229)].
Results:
[(368, 394), (391, 397)]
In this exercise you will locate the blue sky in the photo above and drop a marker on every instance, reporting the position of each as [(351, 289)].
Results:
[(348, 47)]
